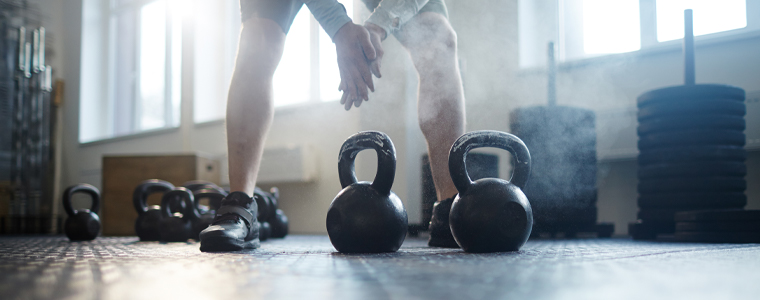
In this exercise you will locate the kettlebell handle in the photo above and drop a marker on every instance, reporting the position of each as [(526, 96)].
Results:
[(142, 191), (81, 188), (488, 138), (181, 194), (386, 159), (214, 196)]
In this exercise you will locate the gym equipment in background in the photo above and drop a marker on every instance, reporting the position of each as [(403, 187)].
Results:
[(367, 217), (83, 224), (149, 218), (27, 117), (691, 153), (176, 226), (490, 214), (274, 219), (562, 143), (718, 226)]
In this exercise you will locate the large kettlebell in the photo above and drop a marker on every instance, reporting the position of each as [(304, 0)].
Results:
[(82, 225), (367, 217), (148, 218), (202, 219), (176, 226), (490, 214)]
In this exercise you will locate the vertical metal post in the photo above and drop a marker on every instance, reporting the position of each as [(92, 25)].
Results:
[(551, 73), (688, 48)]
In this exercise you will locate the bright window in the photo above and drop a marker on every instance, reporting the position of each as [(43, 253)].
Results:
[(139, 88), (710, 16), (611, 26)]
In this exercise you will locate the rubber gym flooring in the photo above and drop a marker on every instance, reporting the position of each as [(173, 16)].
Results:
[(307, 267)]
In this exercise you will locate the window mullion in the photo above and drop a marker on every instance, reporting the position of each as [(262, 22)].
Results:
[(648, 23), (314, 92), (168, 110), (137, 96)]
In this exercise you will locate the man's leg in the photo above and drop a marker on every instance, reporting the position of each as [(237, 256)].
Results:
[(431, 43), (249, 114), (249, 103)]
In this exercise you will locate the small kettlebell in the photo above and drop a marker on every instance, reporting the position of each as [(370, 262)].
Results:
[(490, 214), (196, 185), (202, 219), (177, 226), (279, 224), (276, 219), (82, 225), (264, 203), (367, 217), (148, 218)]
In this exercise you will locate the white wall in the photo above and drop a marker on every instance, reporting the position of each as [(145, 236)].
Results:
[(494, 86)]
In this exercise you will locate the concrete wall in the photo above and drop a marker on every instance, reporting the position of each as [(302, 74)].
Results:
[(494, 85)]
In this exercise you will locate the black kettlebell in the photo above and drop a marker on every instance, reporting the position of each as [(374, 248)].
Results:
[(149, 218), (84, 224), (264, 203), (490, 214), (176, 226), (367, 217), (265, 231), (214, 203), (279, 224), (202, 219)]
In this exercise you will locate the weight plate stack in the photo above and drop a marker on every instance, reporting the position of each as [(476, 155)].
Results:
[(562, 144), (691, 154), (562, 186), (718, 226)]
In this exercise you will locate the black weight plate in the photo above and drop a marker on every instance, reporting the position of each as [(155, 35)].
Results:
[(688, 108), (692, 200), (725, 226), (697, 91), (706, 121), (719, 215), (649, 230), (692, 154), (718, 237), (692, 138), (658, 215), (695, 184), (693, 169)]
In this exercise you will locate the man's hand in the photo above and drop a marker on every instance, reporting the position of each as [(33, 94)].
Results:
[(355, 51), (376, 35)]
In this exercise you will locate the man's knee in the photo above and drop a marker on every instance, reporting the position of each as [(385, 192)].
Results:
[(429, 31), (261, 45)]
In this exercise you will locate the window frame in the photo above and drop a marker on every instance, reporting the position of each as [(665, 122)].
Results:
[(573, 34), (106, 40)]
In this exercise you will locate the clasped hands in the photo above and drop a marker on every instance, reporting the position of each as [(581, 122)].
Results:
[(359, 52)]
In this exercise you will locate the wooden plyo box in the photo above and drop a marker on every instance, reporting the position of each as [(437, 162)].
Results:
[(122, 174)]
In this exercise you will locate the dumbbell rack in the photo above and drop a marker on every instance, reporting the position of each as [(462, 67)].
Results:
[(691, 149), (25, 110), (562, 142)]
